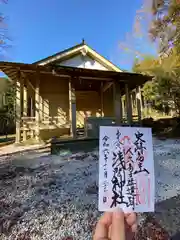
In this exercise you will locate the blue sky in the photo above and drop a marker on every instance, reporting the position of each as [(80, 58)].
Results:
[(39, 28)]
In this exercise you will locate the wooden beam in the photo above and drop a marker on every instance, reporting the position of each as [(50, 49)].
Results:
[(106, 86), (104, 79), (27, 80), (79, 72)]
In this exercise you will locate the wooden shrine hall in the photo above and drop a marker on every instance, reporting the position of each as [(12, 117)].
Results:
[(56, 95)]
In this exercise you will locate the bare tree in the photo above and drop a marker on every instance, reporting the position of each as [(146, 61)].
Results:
[(4, 39), (166, 25), (139, 36)]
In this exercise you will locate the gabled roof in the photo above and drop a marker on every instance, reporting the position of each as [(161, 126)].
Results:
[(83, 49)]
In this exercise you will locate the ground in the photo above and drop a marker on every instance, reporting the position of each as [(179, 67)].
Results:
[(55, 197)]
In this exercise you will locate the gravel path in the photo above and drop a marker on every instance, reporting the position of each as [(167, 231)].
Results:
[(48, 197)]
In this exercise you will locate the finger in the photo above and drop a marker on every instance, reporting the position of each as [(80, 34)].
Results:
[(134, 228), (128, 214), (109, 233), (118, 226), (102, 226), (131, 218)]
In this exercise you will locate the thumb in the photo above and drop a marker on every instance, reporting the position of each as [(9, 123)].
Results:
[(118, 226)]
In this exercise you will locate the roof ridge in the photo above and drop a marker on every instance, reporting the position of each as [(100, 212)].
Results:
[(63, 51)]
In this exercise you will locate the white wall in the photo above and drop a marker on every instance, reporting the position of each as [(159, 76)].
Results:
[(83, 62)]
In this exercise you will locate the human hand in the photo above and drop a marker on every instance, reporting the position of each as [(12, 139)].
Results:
[(116, 226)]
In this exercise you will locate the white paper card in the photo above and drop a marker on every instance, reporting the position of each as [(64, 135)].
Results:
[(126, 169)]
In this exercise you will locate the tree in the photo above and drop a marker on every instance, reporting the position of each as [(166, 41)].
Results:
[(150, 89), (7, 109), (164, 90), (137, 42), (4, 39), (166, 25), (7, 89)]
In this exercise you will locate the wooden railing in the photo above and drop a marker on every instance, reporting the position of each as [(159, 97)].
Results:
[(29, 125), (56, 121)]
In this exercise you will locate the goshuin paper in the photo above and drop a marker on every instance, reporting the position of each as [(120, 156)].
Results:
[(126, 169)]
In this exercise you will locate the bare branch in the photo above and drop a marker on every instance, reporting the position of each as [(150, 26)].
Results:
[(166, 23), (139, 34), (4, 39), (4, 1)]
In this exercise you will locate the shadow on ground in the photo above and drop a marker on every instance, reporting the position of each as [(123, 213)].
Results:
[(165, 222), (164, 127)]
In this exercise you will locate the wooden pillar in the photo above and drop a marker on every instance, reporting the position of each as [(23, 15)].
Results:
[(37, 106), (139, 103), (31, 107), (145, 108), (128, 105), (117, 103), (41, 108), (133, 96), (102, 100), (135, 102), (19, 94), (72, 108), (25, 102), (123, 109), (25, 99)]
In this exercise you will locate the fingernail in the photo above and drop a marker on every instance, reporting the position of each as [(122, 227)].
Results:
[(118, 209), (118, 213)]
